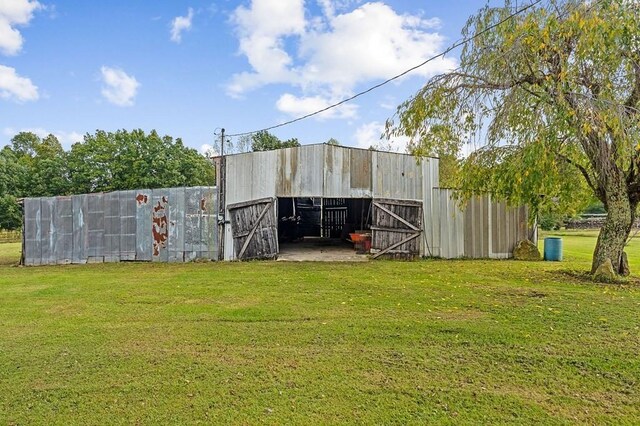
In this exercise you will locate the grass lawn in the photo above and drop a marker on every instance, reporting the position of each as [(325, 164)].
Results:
[(449, 342)]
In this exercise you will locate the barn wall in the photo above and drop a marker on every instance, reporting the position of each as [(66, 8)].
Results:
[(162, 225), (347, 172), (482, 228), (251, 176), (396, 176), (448, 225), (300, 171)]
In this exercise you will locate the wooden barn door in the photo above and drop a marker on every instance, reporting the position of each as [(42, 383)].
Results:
[(254, 229), (396, 228)]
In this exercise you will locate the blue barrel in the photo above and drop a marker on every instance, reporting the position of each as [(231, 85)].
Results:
[(553, 248)]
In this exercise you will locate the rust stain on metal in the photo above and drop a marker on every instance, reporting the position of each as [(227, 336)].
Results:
[(160, 229), (203, 204), (142, 199)]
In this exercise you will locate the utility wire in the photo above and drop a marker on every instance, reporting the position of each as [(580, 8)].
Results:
[(402, 74)]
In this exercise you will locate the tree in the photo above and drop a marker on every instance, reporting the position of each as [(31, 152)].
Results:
[(111, 161), (333, 141), (555, 92), (265, 141)]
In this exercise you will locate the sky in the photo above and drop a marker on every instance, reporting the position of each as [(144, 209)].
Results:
[(189, 68)]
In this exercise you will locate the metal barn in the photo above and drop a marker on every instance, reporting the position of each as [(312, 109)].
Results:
[(329, 191), (159, 225), (392, 196)]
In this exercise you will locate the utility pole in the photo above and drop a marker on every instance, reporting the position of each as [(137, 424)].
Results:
[(221, 182)]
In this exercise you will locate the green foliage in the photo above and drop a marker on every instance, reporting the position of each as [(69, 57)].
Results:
[(429, 342), (265, 141), (110, 161), (550, 221), (106, 161), (595, 207), (10, 213), (333, 141), (554, 94)]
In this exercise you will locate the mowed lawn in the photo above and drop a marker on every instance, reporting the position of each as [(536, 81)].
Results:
[(433, 341)]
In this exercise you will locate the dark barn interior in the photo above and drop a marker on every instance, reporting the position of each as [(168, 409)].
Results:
[(321, 223)]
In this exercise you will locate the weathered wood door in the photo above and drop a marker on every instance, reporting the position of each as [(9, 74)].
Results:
[(254, 229), (396, 228)]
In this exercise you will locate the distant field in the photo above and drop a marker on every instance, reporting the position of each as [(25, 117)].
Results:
[(453, 342)]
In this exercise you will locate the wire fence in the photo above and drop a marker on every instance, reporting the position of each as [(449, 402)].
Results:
[(10, 236)]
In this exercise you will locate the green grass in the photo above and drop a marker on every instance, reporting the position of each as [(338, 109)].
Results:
[(445, 342)]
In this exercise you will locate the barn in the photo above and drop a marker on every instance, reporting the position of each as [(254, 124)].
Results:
[(332, 191), (264, 199)]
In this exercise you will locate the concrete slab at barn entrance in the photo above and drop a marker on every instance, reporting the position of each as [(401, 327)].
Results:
[(320, 250)]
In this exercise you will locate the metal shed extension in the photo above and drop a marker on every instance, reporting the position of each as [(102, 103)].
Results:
[(160, 225)]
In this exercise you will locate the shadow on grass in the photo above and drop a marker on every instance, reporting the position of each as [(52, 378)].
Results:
[(583, 277)]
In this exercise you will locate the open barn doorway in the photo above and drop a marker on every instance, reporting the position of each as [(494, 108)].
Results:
[(322, 229)]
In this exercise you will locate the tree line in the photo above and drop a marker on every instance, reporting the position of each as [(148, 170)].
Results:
[(31, 166)]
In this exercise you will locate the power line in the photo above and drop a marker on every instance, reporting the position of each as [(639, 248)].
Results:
[(402, 74)]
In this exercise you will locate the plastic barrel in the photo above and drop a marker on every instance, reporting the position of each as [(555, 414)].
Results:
[(553, 248)]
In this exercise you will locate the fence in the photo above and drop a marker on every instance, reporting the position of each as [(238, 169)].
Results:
[(10, 236), (159, 225)]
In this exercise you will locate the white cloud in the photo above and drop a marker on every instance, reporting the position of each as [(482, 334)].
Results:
[(328, 57), (119, 88), (180, 24), (370, 135), (262, 31), (14, 13), (15, 87), (299, 106)]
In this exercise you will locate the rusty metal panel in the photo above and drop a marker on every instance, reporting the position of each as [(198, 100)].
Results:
[(193, 221), (80, 209), (111, 227), (63, 224), (396, 176), (144, 246), (127, 201), (360, 170), (48, 231), (203, 246), (160, 225), (300, 171), (336, 172), (347, 172), (176, 224), (32, 249)]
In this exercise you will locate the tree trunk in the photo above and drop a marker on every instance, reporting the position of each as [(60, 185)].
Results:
[(613, 235)]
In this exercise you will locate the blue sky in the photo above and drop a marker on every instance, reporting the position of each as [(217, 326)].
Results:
[(188, 68)]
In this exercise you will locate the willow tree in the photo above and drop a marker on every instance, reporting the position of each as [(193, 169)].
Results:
[(553, 93)]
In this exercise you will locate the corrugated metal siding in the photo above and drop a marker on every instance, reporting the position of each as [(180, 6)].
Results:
[(476, 228), (125, 225), (347, 172), (508, 226), (300, 171), (251, 176), (396, 176), (430, 180), (481, 229), (448, 230)]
